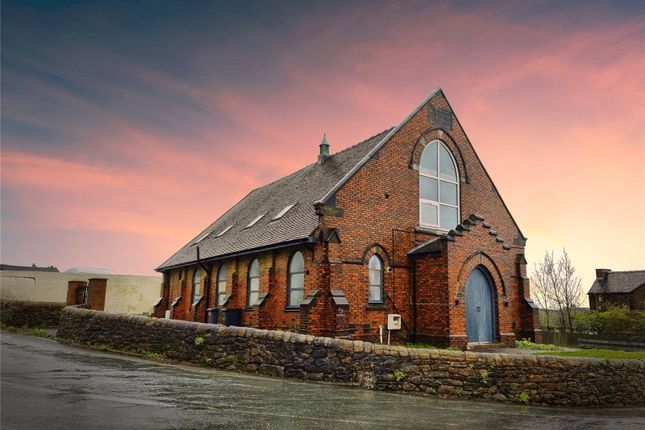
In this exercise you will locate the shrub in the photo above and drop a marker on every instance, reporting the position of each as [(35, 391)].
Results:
[(615, 321), (527, 344)]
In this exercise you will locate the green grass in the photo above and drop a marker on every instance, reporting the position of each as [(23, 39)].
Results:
[(32, 331), (420, 346), (608, 354), (9, 328), (527, 344), (40, 332)]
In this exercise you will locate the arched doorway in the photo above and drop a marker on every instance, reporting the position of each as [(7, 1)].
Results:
[(480, 309)]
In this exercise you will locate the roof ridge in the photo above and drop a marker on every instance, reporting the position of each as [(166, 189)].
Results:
[(363, 141), (625, 271), (314, 163)]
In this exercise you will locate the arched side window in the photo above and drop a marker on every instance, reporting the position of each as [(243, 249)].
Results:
[(375, 269), (438, 187), (296, 289), (253, 283), (221, 285), (197, 284)]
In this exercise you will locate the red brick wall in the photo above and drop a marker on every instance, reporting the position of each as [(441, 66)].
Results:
[(379, 205), (433, 301), (478, 247), (96, 293), (273, 270), (634, 300), (638, 298)]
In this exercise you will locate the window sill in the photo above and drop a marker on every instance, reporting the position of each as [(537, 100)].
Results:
[(292, 309), (433, 230), (376, 307), (249, 308)]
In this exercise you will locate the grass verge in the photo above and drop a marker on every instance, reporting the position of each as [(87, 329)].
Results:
[(527, 344), (32, 331), (607, 354)]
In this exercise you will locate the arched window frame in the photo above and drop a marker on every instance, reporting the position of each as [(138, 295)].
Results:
[(296, 282), (253, 283), (221, 284), (375, 280), (439, 202), (197, 283)]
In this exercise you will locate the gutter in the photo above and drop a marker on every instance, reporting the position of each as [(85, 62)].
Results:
[(309, 240)]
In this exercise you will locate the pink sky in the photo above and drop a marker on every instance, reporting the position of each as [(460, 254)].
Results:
[(116, 163)]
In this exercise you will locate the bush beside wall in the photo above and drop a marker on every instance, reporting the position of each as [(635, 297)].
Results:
[(502, 377), (30, 314)]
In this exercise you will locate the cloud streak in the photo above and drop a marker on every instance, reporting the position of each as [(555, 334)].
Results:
[(112, 135)]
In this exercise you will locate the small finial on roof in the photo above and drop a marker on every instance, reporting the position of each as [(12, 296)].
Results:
[(324, 149)]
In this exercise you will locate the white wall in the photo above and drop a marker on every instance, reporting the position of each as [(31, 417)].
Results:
[(125, 293)]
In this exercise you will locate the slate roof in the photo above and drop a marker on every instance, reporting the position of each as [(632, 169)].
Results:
[(304, 188), (619, 282)]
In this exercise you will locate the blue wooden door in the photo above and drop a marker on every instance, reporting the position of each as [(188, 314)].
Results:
[(479, 307)]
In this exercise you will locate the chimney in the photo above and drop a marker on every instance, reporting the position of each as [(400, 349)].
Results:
[(600, 273), (324, 150)]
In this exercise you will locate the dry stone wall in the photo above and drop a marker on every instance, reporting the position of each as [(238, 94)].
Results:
[(455, 374), (19, 313)]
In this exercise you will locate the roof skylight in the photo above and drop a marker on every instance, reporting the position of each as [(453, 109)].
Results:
[(255, 220), (201, 237), (221, 233), (283, 212)]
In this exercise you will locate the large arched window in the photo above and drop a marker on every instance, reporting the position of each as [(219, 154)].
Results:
[(375, 269), (296, 279), (221, 285), (438, 188), (197, 283), (253, 283)]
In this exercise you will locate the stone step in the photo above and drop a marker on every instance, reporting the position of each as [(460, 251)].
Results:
[(484, 346)]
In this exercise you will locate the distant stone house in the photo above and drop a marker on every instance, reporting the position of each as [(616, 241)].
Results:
[(407, 222), (618, 289)]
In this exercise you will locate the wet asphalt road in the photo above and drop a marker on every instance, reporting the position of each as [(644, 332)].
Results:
[(48, 385)]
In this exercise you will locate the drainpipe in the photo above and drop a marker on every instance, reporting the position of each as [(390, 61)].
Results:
[(207, 281), (414, 300)]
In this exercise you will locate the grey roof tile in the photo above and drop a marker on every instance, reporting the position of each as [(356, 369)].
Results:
[(619, 282), (304, 187)]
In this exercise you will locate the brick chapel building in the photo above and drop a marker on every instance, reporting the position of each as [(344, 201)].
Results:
[(406, 222)]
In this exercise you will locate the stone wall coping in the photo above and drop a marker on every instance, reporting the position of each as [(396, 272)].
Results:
[(27, 303), (360, 346)]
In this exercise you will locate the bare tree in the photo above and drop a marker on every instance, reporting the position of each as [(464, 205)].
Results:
[(541, 289), (556, 285), (570, 288)]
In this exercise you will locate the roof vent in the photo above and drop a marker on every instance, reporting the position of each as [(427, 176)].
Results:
[(255, 220), (282, 212), (324, 150), (221, 233)]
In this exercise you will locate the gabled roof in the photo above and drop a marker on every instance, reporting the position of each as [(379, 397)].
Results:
[(304, 188), (310, 186), (619, 282)]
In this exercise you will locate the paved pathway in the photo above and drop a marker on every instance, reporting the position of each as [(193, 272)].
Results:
[(48, 385)]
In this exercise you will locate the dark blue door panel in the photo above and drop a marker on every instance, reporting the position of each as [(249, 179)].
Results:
[(479, 307)]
